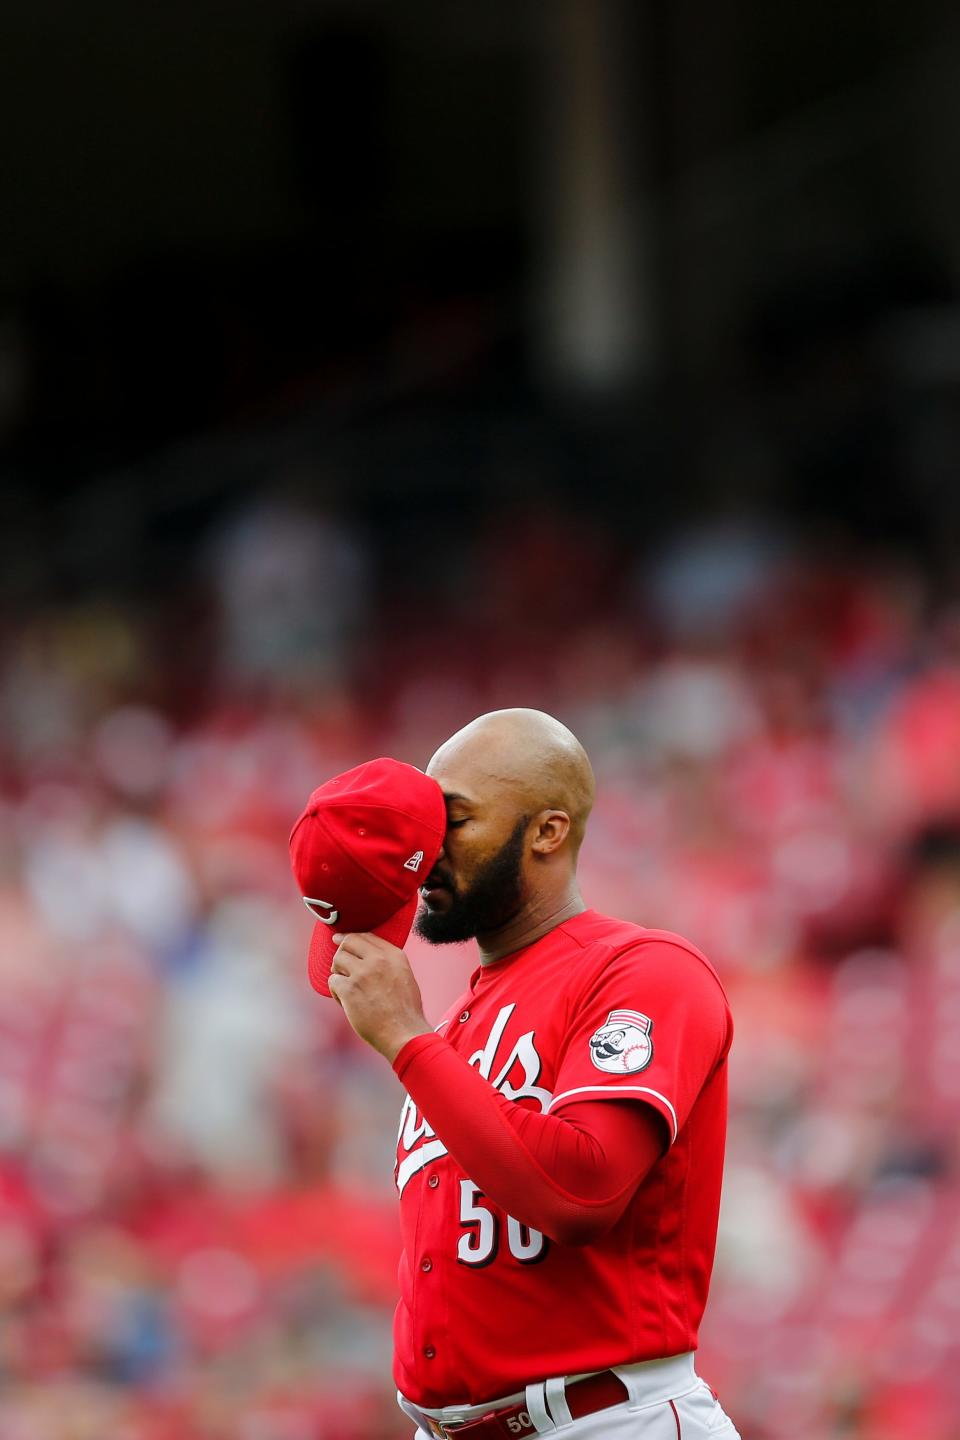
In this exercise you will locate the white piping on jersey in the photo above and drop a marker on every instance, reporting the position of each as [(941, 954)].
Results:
[(612, 1091)]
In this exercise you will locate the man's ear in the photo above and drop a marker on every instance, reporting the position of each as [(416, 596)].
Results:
[(551, 828)]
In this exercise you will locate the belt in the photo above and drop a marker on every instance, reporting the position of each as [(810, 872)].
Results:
[(583, 1397)]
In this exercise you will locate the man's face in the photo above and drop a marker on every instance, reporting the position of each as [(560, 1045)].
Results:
[(477, 883)]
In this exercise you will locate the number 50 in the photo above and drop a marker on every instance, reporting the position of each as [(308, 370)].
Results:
[(479, 1246)]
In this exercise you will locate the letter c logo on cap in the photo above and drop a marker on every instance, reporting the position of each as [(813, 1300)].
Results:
[(315, 906)]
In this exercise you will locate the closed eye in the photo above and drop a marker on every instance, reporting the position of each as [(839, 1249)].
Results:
[(455, 824)]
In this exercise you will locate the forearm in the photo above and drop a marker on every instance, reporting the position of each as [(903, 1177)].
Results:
[(565, 1175)]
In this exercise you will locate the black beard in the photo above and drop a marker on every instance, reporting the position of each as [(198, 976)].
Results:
[(493, 899)]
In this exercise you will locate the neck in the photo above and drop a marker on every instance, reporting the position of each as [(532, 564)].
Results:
[(543, 914)]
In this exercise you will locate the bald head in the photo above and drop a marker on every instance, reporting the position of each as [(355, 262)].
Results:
[(520, 760), (518, 788)]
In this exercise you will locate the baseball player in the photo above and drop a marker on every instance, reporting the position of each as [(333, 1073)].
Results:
[(561, 1144)]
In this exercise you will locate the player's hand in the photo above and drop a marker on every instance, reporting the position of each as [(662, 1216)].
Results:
[(374, 984)]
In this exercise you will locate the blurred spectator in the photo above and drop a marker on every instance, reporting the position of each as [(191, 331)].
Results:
[(295, 589)]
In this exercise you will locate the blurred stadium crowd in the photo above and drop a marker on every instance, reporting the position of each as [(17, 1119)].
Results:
[(197, 1222), (356, 364)]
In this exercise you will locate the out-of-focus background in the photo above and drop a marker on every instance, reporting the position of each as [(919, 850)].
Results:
[(364, 367)]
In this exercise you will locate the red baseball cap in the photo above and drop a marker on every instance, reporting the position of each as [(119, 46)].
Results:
[(360, 851)]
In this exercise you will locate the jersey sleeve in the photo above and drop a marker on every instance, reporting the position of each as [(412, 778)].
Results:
[(569, 1175), (651, 1027)]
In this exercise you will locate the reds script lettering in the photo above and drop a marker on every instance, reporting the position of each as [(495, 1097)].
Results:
[(414, 1128)]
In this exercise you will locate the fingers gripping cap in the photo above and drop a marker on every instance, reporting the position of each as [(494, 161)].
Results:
[(364, 844)]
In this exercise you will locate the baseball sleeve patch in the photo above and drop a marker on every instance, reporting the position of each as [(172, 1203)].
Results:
[(622, 1045)]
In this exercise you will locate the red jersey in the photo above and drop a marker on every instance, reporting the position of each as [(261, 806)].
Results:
[(598, 1008)]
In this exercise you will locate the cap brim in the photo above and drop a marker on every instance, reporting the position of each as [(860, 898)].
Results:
[(396, 931)]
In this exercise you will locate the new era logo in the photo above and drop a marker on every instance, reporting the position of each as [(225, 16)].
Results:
[(415, 861)]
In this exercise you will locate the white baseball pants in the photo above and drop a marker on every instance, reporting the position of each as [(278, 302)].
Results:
[(667, 1401)]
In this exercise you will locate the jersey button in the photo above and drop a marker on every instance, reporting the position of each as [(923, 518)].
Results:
[(464, 1016), (426, 1265), (429, 1351), (434, 1181)]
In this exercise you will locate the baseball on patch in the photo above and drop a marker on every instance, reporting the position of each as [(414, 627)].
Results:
[(622, 1044)]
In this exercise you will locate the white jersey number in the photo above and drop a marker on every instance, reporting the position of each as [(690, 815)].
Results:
[(479, 1246)]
